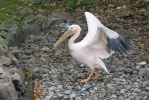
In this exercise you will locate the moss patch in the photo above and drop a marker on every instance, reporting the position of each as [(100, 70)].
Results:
[(9, 7), (29, 87)]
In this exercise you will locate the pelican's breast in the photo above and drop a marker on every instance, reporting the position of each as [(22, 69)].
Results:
[(70, 49), (76, 52)]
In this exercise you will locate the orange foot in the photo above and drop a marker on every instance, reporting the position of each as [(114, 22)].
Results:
[(84, 80), (96, 78)]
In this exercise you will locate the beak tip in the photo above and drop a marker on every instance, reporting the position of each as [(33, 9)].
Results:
[(55, 46)]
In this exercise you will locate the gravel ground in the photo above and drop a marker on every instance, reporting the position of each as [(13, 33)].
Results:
[(60, 74)]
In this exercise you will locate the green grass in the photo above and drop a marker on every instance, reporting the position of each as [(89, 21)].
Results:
[(8, 7), (29, 89)]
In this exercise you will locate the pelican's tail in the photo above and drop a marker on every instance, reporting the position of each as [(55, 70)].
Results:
[(101, 64)]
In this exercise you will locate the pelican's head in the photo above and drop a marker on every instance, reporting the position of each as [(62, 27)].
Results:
[(71, 30)]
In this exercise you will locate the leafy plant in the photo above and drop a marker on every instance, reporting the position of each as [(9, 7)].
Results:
[(67, 5), (3, 44)]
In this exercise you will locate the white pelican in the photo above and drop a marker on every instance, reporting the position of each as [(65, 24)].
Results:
[(99, 43)]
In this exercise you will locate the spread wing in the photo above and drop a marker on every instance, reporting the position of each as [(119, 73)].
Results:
[(92, 23), (106, 42)]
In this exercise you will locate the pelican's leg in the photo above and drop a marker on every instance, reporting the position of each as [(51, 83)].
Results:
[(85, 80), (96, 77)]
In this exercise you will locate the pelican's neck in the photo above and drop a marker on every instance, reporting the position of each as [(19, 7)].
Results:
[(72, 39)]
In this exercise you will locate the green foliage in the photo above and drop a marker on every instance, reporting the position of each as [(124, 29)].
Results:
[(20, 18), (8, 7), (67, 5), (29, 87), (70, 5), (3, 44)]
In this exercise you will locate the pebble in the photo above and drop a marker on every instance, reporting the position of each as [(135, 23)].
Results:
[(55, 98), (1, 70), (29, 51), (117, 80), (60, 95), (3, 76), (102, 95), (113, 97), (92, 91), (48, 97), (136, 84), (87, 86), (67, 92), (122, 91), (66, 98), (72, 96), (110, 87), (82, 65), (145, 83), (112, 66), (70, 66), (128, 71), (142, 63), (43, 71), (142, 72), (78, 98)]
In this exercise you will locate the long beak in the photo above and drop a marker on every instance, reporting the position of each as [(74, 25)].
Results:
[(67, 34)]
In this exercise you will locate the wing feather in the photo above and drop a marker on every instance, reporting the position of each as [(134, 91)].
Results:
[(108, 43), (103, 42), (92, 23)]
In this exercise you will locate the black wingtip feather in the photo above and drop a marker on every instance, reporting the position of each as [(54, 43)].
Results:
[(120, 45), (125, 44)]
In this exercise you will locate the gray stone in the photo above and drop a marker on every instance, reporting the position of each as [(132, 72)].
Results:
[(43, 71), (87, 86), (31, 29), (136, 84), (66, 97), (16, 77), (55, 98), (7, 90), (145, 83), (29, 51), (19, 72), (2, 76), (67, 92), (113, 97), (92, 91), (5, 61), (45, 48), (102, 95), (136, 90), (146, 77), (78, 98), (112, 66), (12, 57), (128, 70), (117, 80), (60, 95), (60, 87), (1, 70), (17, 37), (48, 97), (70, 66), (142, 72), (110, 87), (72, 96)]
